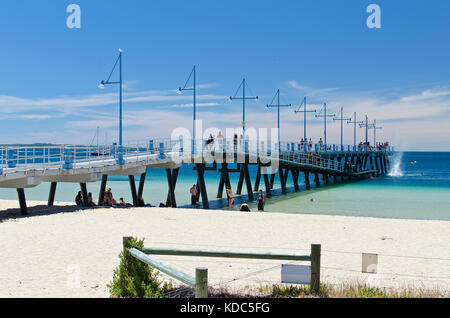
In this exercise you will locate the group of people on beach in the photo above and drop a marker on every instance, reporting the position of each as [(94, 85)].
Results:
[(260, 200), (108, 200)]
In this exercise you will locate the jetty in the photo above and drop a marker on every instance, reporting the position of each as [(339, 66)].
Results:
[(27, 167)]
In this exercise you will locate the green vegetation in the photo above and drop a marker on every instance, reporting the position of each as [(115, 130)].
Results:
[(134, 279), (345, 291)]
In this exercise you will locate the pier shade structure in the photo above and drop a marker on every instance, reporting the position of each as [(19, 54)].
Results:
[(28, 167)]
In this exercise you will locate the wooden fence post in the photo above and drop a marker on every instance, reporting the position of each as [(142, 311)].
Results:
[(201, 282), (315, 268)]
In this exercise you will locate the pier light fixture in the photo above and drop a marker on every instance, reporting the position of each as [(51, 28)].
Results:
[(342, 119), (278, 106), (325, 117), (354, 122), (244, 98), (103, 85), (375, 128), (192, 75), (304, 111)]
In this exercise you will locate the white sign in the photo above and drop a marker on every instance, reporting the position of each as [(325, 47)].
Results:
[(296, 274), (369, 263)]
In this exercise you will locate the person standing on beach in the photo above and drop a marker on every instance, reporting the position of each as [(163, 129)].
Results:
[(230, 198), (194, 193), (79, 199), (261, 201)]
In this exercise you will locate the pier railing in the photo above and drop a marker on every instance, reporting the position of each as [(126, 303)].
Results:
[(73, 156), (200, 282)]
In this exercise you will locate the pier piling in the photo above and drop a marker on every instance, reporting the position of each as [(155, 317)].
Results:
[(51, 196)]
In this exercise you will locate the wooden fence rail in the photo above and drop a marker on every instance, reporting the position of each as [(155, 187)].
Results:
[(200, 282)]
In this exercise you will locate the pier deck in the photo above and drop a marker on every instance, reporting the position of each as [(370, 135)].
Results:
[(28, 167)]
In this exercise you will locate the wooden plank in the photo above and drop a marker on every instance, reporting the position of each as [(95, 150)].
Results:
[(166, 269), (201, 282), (315, 268), (202, 253)]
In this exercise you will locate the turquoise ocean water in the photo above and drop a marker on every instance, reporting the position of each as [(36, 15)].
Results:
[(411, 191)]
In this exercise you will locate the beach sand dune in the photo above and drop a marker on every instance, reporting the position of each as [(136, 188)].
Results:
[(43, 254)]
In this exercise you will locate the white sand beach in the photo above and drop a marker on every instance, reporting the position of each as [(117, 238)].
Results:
[(40, 253)]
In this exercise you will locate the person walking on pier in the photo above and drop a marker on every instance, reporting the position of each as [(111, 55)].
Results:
[(210, 141), (310, 144), (235, 142), (261, 201), (302, 145), (320, 144), (194, 193)]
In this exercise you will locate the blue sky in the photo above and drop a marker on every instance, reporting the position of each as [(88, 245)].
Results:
[(397, 75)]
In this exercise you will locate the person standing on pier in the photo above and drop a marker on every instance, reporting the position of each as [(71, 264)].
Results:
[(194, 193), (235, 142), (320, 144), (210, 141)]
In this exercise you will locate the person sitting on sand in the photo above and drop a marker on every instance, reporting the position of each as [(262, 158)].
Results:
[(109, 199), (245, 208), (122, 202), (91, 200), (79, 199)]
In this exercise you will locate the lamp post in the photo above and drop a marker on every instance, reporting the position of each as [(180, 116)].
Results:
[(192, 75), (325, 117), (366, 125), (243, 98), (354, 122), (304, 111), (278, 105), (375, 128), (342, 119), (103, 86)]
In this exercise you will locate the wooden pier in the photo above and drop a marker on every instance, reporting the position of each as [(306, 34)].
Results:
[(24, 169)]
